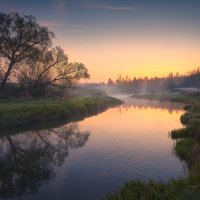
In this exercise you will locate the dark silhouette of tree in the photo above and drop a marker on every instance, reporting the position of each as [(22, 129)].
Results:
[(50, 67), (154, 84), (195, 77), (20, 38), (110, 81), (27, 159), (170, 81)]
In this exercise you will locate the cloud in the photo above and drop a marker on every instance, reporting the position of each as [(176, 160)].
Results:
[(114, 8), (60, 26), (51, 24)]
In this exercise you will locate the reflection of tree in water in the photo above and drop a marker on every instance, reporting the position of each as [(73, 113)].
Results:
[(28, 158), (132, 103)]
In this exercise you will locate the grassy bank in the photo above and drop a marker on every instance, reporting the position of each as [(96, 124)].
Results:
[(187, 147), (18, 113), (186, 97)]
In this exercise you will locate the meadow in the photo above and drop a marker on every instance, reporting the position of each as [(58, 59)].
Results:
[(22, 112)]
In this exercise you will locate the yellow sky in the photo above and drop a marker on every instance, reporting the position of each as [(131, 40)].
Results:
[(109, 58), (129, 37)]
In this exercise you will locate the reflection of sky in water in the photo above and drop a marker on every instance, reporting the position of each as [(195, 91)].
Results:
[(131, 103), (125, 143)]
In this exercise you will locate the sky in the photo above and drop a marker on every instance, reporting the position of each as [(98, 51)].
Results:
[(137, 38)]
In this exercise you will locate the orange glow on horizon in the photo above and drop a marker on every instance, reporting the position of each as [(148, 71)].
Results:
[(139, 55), (146, 62)]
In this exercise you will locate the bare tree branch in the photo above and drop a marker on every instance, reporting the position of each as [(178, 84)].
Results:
[(20, 38)]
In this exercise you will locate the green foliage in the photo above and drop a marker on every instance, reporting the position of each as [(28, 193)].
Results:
[(188, 131), (191, 117), (183, 148), (14, 113), (173, 190), (12, 90)]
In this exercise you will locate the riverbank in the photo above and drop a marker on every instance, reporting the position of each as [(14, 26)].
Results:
[(187, 148), (15, 113)]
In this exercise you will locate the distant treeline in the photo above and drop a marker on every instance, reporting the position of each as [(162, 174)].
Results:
[(127, 84)]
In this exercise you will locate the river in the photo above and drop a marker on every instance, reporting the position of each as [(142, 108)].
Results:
[(88, 159)]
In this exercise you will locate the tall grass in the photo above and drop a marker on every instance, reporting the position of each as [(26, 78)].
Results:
[(173, 190), (15, 113)]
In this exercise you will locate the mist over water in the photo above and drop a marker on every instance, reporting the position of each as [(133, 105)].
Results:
[(95, 156)]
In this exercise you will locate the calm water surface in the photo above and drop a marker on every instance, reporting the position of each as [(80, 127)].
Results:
[(93, 157)]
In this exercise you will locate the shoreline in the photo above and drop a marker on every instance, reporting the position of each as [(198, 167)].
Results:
[(15, 114), (187, 148)]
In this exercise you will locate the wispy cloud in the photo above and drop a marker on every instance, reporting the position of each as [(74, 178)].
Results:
[(114, 8), (52, 24), (61, 26)]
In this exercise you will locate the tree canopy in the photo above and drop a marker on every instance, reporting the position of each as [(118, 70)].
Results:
[(51, 66), (27, 53), (20, 38)]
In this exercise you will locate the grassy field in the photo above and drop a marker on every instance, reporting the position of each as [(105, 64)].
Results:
[(187, 147), (15, 113)]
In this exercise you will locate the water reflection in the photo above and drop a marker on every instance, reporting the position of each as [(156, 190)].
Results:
[(29, 158), (132, 103), (131, 145)]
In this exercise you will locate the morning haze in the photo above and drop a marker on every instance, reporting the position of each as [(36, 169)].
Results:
[(136, 38), (99, 99)]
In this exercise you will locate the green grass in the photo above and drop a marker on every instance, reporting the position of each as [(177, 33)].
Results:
[(187, 148), (183, 149), (16, 113), (188, 131), (173, 190)]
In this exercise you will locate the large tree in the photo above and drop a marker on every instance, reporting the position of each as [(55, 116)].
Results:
[(20, 38), (50, 67)]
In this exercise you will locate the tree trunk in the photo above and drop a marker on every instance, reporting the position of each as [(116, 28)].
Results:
[(3, 84)]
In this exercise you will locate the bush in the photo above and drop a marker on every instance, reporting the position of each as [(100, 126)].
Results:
[(183, 149)]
